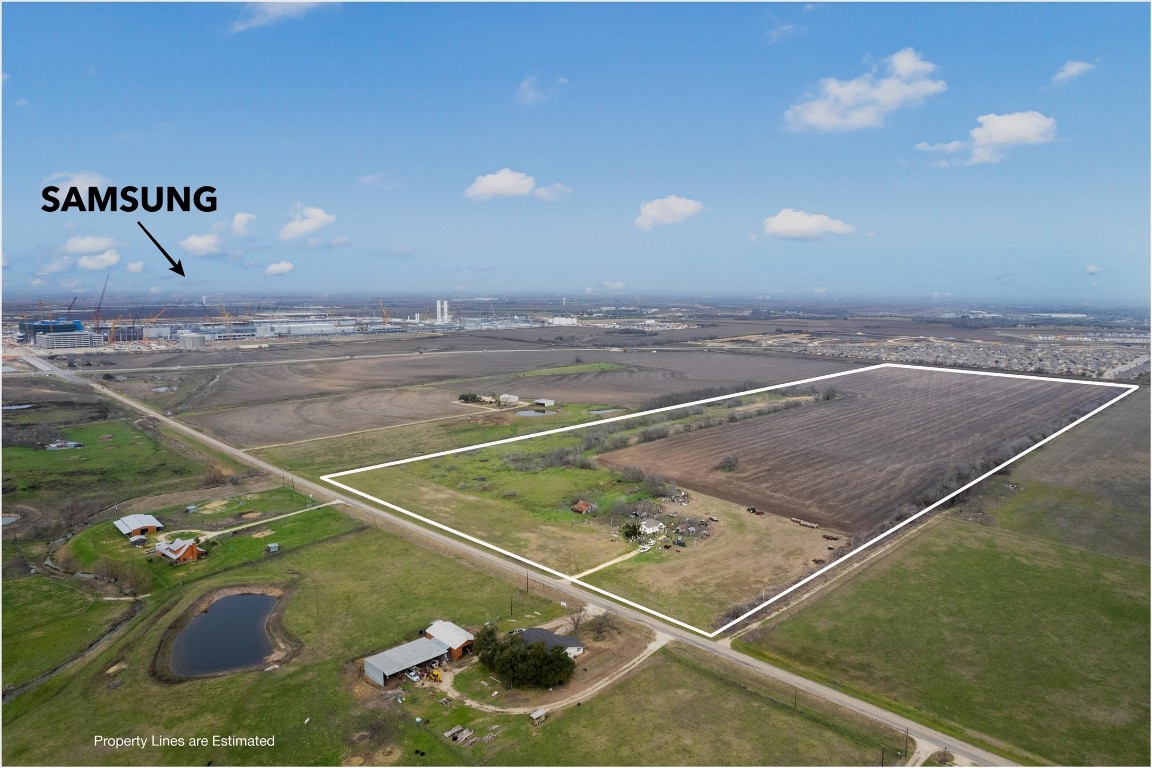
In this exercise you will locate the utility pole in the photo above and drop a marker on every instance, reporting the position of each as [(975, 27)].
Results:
[(882, 757), (905, 742)]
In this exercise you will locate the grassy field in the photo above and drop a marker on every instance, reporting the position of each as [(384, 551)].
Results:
[(350, 597), (320, 457), (989, 634), (116, 458), (684, 708), (48, 620)]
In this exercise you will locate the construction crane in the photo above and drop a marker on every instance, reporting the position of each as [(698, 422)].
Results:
[(70, 305), (99, 306), (385, 315), (226, 316)]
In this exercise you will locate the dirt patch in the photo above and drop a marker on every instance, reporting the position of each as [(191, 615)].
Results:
[(263, 533), (212, 506), (286, 646), (250, 515), (184, 498)]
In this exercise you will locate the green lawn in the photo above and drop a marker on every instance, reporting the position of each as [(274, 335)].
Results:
[(47, 621), (988, 634)]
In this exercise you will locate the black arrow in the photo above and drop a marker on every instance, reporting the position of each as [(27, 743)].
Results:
[(176, 267)]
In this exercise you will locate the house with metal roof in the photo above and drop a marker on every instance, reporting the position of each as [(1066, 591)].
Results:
[(571, 645), (457, 639), (179, 551), (395, 660), (650, 527), (137, 525)]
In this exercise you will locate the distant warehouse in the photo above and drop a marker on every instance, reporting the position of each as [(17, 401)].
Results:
[(138, 525)]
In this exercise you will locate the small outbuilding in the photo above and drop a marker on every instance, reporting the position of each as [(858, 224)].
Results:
[(137, 541), (538, 716), (509, 399), (458, 639), (571, 645), (137, 525), (543, 403), (583, 507)]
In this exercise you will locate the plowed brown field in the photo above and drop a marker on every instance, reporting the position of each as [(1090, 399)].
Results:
[(891, 439)]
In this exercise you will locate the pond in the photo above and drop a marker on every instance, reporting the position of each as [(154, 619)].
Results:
[(232, 633), (602, 411), (535, 413), (6, 519)]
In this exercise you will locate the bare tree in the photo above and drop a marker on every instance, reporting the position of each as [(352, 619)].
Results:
[(575, 621)]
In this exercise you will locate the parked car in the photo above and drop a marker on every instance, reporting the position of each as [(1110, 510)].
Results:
[(644, 549), (412, 675)]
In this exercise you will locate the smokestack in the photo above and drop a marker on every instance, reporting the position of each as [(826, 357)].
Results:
[(446, 316)]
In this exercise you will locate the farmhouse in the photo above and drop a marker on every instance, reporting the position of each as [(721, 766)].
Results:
[(457, 639), (179, 551), (137, 525), (571, 645), (651, 527), (509, 399)]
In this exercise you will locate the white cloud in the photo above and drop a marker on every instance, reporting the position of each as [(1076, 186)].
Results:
[(56, 265), (552, 194), (305, 221), (1092, 269), (503, 183), (99, 261), (279, 268), (799, 225), (820, 291), (988, 141), (382, 181), (531, 92), (88, 244), (263, 14), (240, 222), (779, 32), (201, 245), (78, 179), (134, 266), (37, 282), (614, 285), (21, 103), (1072, 70), (867, 100), (666, 210)]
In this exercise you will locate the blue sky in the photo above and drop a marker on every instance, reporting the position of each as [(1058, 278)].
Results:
[(921, 151)]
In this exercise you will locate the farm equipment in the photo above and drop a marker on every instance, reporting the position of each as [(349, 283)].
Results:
[(434, 675)]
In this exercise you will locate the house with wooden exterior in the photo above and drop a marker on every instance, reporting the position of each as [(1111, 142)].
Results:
[(583, 507), (179, 551), (137, 525), (457, 639)]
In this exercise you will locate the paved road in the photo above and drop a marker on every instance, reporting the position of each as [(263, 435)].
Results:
[(966, 753)]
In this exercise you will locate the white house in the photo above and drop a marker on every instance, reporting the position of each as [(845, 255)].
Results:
[(651, 527)]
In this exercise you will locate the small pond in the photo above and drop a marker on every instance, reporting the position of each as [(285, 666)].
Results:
[(231, 634), (535, 413), (7, 519), (602, 411)]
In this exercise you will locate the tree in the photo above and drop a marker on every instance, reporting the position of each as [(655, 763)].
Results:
[(630, 530), (602, 625), (575, 621), (728, 463)]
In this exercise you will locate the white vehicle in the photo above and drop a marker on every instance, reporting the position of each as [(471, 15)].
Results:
[(644, 549), (412, 675)]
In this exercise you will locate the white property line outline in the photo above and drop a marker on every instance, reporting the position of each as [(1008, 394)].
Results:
[(1128, 389)]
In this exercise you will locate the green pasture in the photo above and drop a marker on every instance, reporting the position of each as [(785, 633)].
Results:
[(47, 621), (116, 458), (1038, 649)]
